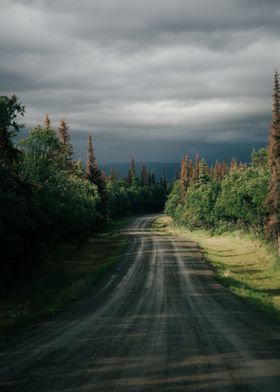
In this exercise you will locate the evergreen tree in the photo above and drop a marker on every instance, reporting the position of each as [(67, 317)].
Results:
[(233, 165), (242, 165), (143, 175), (186, 173), (78, 168), (259, 158), (151, 178), (63, 133), (219, 171), (104, 177), (216, 171), (113, 176), (273, 199), (163, 180), (203, 176), (131, 176), (93, 174), (196, 168), (65, 140), (183, 174), (224, 169), (47, 121), (133, 167)]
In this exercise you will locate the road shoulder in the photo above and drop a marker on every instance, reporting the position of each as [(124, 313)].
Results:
[(243, 264)]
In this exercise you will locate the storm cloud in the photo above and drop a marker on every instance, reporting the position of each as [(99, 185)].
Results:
[(152, 78)]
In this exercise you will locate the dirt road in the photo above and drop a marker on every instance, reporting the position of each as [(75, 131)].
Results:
[(161, 322)]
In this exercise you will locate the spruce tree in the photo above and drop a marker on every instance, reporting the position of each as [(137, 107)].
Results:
[(151, 178), (163, 180), (186, 173), (183, 174), (203, 176), (233, 165), (131, 176), (219, 171), (63, 133), (133, 167), (104, 177), (143, 175), (224, 169), (196, 168), (93, 174), (65, 140), (273, 199), (216, 171), (47, 121), (113, 176)]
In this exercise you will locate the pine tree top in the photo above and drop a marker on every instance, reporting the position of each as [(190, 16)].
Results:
[(64, 136), (47, 121), (276, 99)]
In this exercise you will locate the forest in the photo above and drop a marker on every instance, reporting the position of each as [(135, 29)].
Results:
[(47, 197), (235, 195)]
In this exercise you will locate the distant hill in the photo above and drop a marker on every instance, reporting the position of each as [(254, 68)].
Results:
[(156, 167)]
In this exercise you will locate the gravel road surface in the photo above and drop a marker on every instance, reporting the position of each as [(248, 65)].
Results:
[(159, 322)]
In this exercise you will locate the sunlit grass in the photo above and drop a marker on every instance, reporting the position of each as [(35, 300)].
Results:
[(246, 265)]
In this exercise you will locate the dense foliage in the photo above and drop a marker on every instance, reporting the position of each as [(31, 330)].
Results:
[(233, 196), (134, 199), (236, 196), (235, 199), (47, 197)]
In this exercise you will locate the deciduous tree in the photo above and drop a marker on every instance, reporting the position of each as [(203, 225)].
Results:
[(10, 108)]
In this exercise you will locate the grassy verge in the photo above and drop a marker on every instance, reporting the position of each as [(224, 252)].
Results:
[(65, 275), (246, 265)]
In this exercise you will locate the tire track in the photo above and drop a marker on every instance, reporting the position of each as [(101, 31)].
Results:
[(161, 322)]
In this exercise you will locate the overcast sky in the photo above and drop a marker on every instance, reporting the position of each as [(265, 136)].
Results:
[(149, 78)]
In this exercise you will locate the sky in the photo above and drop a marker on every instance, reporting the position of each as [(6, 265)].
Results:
[(153, 79)]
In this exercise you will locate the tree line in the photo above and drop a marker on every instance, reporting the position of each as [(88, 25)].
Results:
[(236, 195), (48, 197)]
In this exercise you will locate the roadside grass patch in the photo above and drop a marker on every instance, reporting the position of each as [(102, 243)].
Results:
[(245, 264), (65, 275)]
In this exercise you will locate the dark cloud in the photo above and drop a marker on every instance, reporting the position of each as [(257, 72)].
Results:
[(150, 78)]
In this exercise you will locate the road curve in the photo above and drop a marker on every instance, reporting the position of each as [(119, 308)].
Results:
[(161, 322)]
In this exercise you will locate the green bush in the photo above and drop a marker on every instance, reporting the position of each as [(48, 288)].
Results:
[(242, 198), (235, 201)]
